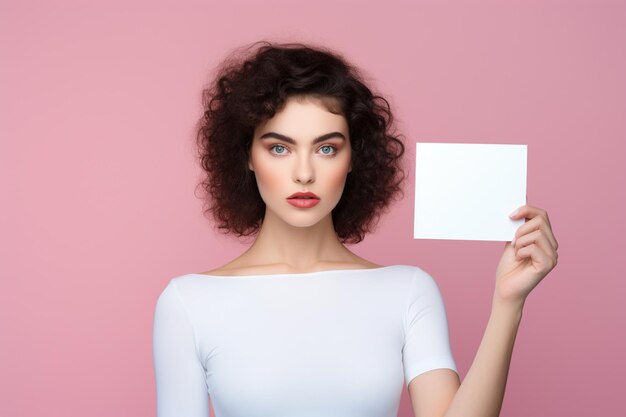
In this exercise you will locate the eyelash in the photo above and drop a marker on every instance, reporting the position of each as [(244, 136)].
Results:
[(323, 146)]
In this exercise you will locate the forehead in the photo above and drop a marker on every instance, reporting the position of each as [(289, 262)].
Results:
[(305, 116)]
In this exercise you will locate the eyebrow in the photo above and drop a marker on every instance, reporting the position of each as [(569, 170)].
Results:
[(293, 142)]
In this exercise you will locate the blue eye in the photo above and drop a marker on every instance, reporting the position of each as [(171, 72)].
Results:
[(329, 149), (281, 147)]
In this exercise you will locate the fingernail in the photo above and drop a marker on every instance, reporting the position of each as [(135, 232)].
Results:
[(514, 213)]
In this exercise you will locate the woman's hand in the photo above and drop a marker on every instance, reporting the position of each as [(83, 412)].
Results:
[(526, 260)]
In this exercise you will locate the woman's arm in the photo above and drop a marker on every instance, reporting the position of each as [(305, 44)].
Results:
[(523, 265), (181, 388), (438, 393)]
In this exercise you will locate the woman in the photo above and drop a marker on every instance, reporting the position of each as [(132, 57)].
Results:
[(299, 153)]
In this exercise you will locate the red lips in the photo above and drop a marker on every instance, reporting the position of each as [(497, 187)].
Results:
[(303, 200), (308, 194)]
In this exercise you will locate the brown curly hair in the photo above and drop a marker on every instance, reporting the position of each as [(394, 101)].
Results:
[(251, 88)]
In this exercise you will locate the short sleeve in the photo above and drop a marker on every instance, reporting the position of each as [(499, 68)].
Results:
[(426, 344), (181, 389)]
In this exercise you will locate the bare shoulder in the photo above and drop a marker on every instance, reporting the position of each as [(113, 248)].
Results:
[(360, 264), (238, 268), (237, 271), (354, 262), (230, 268)]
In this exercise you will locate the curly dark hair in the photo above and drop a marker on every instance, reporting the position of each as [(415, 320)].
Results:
[(251, 88)]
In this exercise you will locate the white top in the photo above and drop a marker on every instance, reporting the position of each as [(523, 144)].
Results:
[(337, 343)]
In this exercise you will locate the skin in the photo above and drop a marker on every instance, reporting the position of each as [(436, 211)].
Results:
[(524, 263), (296, 240), (293, 240)]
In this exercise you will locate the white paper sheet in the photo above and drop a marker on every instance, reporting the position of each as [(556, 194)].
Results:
[(466, 191)]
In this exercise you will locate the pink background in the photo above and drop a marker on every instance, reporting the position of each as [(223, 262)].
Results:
[(97, 165)]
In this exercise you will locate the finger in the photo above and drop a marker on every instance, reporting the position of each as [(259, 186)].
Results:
[(537, 256), (537, 223), (529, 212), (538, 238), (536, 216)]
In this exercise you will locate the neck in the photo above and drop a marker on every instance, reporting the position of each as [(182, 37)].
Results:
[(298, 248)]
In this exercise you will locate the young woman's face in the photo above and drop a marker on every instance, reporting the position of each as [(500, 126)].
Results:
[(303, 148)]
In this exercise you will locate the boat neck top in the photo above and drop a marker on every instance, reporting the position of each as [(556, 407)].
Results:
[(296, 274), (312, 344)]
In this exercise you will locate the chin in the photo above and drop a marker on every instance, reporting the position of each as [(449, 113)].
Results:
[(303, 222), (304, 219)]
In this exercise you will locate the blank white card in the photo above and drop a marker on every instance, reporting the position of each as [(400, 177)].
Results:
[(466, 191)]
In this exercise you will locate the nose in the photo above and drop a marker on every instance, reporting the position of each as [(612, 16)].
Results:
[(303, 171)]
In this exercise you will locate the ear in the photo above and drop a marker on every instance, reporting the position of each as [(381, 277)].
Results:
[(250, 166)]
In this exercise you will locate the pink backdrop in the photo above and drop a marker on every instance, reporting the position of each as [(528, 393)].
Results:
[(97, 167)]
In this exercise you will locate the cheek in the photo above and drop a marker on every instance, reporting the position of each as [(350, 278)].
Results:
[(336, 180), (268, 177)]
